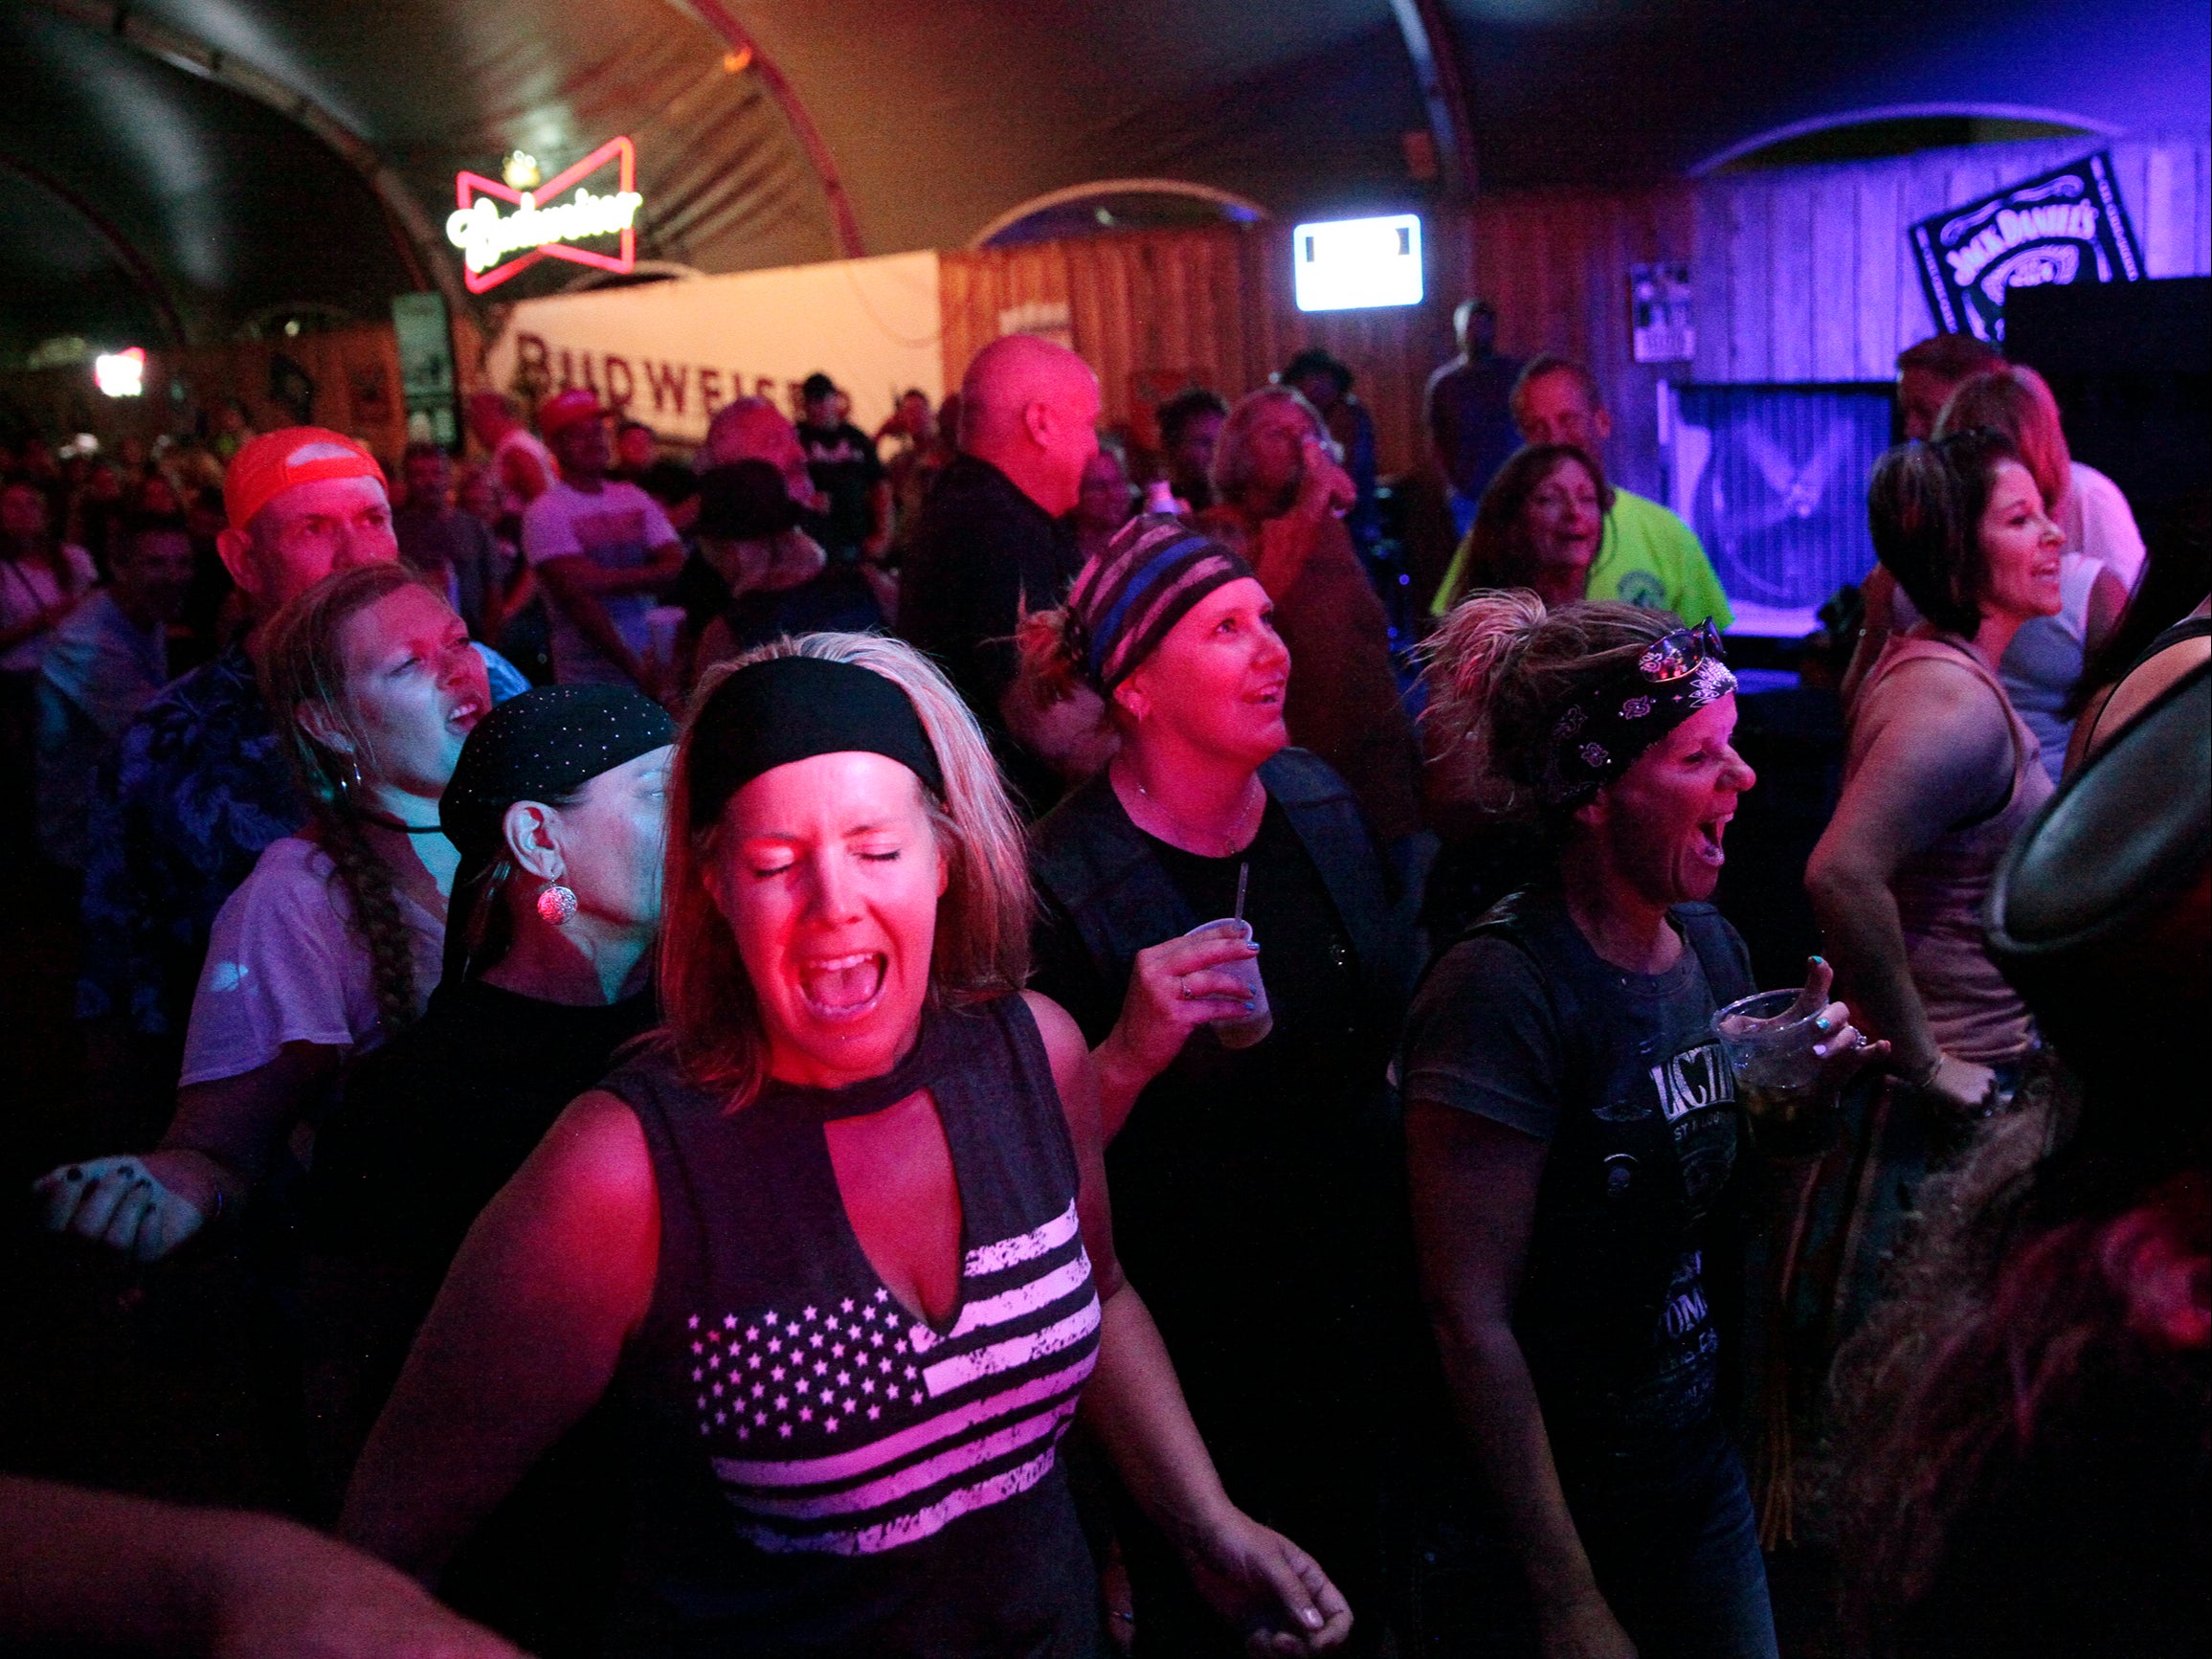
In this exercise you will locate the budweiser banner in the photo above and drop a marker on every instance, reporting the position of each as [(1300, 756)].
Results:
[(671, 353), (2063, 226)]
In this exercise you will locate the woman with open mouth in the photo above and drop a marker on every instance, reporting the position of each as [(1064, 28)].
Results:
[(1575, 1148), (838, 1249), (1242, 1063), (332, 944)]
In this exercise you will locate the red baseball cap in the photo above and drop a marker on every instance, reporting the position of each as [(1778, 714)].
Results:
[(570, 408), (272, 463)]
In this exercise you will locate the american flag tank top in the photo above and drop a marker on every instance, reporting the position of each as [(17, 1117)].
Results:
[(878, 1483)]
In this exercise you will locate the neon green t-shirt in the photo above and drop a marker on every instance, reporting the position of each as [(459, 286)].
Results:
[(1648, 557)]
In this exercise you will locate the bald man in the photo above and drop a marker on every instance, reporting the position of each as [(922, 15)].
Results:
[(989, 541), (754, 429)]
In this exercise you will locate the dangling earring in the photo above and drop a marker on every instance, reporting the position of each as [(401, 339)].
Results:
[(556, 904)]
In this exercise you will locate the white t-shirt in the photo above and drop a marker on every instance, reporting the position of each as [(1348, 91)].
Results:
[(617, 529), (2099, 523), (284, 966), (28, 587)]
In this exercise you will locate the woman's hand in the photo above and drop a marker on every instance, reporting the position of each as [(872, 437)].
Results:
[(1174, 988), (1267, 1587), (1842, 1050), (144, 1206), (1959, 1085), (1587, 1629)]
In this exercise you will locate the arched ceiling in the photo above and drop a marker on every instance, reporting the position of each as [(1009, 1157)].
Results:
[(187, 163)]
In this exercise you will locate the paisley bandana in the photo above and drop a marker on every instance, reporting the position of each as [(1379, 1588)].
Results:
[(1599, 735)]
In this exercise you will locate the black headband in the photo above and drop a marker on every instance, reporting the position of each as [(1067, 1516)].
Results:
[(784, 709), (1599, 735), (544, 745)]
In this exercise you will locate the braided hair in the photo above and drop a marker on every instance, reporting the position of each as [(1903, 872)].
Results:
[(301, 664)]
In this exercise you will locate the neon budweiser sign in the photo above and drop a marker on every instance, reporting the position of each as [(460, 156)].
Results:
[(541, 226)]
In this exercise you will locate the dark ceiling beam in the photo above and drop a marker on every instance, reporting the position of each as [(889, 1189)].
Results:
[(420, 242), (844, 223), (142, 275), (1428, 42)]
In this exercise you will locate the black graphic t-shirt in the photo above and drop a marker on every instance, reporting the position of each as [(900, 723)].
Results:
[(1481, 1037), (843, 464)]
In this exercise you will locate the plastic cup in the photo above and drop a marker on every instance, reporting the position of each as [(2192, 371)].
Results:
[(1778, 1075), (1239, 1030)]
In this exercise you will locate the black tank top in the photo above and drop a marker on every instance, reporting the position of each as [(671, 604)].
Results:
[(816, 1469)]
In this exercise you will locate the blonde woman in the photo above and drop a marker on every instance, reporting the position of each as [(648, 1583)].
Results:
[(838, 1249)]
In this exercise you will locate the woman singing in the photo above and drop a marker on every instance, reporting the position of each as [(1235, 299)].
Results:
[(1574, 1142), (331, 945), (838, 1251)]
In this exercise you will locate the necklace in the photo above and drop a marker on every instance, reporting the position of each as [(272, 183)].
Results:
[(1240, 833), (389, 821)]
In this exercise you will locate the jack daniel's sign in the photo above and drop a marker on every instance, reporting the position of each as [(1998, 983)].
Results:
[(2063, 226)]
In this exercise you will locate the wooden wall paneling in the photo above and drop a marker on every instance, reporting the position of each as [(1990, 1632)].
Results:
[(2200, 248), (1617, 234), (1713, 283), (2169, 209), (1884, 268), (1924, 187), (1791, 256), (1751, 319), (1833, 259), (1661, 226)]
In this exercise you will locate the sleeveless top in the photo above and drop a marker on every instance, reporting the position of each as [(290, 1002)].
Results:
[(1975, 1013), (815, 1468)]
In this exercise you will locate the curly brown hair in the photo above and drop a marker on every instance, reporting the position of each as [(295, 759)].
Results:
[(1499, 670), (303, 666)]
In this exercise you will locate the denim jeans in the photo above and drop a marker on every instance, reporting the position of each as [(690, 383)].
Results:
[(1669, 1533)]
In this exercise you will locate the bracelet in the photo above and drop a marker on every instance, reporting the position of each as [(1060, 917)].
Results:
[(1921, 1082)]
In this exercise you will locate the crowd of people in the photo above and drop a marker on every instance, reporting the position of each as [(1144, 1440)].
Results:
[(818, 1052)]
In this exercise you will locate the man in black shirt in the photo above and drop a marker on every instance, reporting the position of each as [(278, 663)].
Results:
[(842, 460), (988, 543), (1471, 419)]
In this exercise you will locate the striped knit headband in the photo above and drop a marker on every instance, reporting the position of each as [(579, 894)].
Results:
[(1127, 597)]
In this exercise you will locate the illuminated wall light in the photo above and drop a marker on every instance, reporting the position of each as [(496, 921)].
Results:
[(541, 227), (121, 373), (737, 62), (1347, 264)]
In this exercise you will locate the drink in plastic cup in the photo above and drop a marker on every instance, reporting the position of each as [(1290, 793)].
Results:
[(1778, 1075), (1239, 1030)]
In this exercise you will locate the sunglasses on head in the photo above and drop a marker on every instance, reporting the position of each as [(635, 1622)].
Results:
[(1680, 652)]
